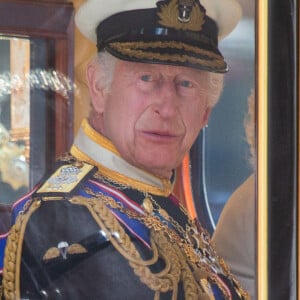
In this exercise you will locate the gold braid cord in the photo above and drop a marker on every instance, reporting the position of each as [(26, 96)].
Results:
[(12, 256), (176, 266), (166, 280)]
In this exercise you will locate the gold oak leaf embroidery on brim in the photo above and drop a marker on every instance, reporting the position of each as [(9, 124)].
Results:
[(142, 50)]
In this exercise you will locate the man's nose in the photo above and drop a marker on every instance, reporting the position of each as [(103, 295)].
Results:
[(168, 100)]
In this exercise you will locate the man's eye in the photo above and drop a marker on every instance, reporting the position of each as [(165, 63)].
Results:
[(186, 83), (146, 77)]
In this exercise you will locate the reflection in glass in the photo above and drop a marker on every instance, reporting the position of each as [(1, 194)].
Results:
[(28, 88), (14, 118), (36, 93), (220, 156), (226, 150)]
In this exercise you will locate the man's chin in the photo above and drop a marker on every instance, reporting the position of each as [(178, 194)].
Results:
[(158, 168)]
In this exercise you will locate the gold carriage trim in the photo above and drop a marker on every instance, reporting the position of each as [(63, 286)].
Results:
[(135, 49)]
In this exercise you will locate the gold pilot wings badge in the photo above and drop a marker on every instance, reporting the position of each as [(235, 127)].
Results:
[(62, 250)]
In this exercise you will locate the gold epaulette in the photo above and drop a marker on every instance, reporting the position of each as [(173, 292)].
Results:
[(66, 179)]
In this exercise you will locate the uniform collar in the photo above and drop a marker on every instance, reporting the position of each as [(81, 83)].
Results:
[(92, 147)]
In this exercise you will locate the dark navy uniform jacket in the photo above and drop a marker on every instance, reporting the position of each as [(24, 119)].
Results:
[(82, 234)]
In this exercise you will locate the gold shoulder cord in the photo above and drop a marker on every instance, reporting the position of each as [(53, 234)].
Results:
[(13, 251), (189, 255), (176, 268)]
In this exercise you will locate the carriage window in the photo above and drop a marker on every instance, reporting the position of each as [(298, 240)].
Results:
[(221, 158), (14, 117), (36, 93), (27, 92)]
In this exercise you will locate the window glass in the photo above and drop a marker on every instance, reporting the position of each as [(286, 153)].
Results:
[(220, 158)]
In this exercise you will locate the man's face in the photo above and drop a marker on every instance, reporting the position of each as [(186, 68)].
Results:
[(154, 113)]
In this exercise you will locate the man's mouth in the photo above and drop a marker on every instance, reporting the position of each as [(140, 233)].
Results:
[(160, 135)]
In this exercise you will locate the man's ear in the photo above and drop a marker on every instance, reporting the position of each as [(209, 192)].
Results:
[(96, 89), (206, 116)]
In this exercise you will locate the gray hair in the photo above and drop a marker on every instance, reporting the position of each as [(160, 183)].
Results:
[(215, 88), (106, 66)]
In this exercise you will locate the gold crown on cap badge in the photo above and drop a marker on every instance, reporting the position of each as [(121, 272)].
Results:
[(181, 14)]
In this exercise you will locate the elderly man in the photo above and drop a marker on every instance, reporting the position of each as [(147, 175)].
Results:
[(105, 224)]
